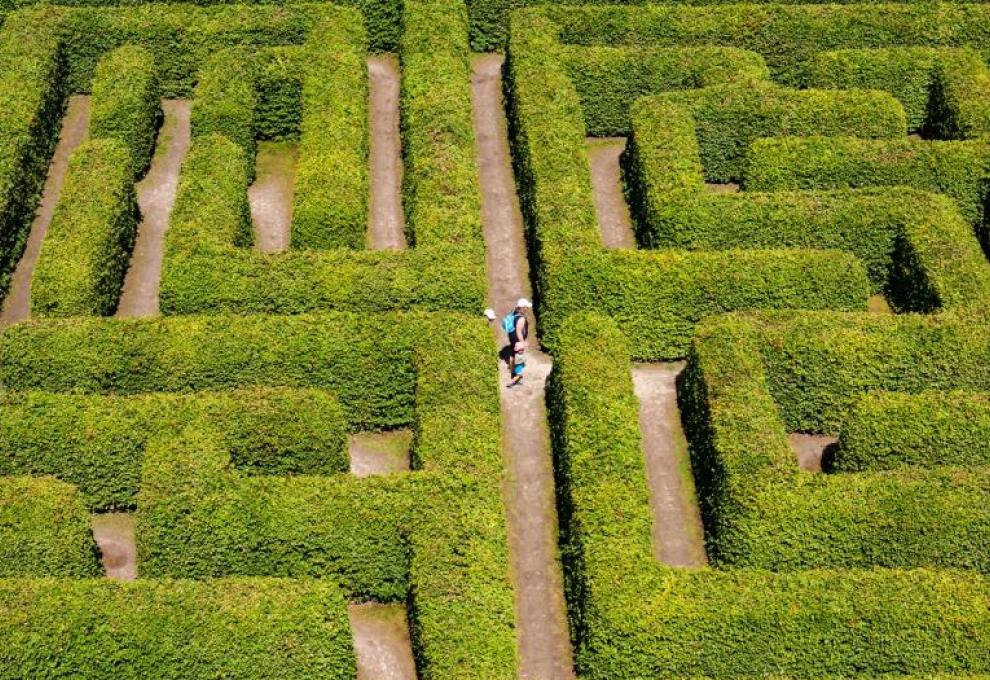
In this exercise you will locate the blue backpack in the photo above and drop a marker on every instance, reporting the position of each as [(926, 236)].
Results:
[(509, 323)]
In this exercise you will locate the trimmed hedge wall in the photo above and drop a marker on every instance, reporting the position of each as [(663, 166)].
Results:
[(243, 628), (656, 296), (943, 90), (330, 198), (889, 430), (634, 618), (366, 360), (436, 536), (32, 89), (125, 104), (98, 442), (609, 79), (916, 247), (225, 100), (44, 530), (749, 382), (960, 170), (87, 249), (198, 519), (787, 36), (202, 272)]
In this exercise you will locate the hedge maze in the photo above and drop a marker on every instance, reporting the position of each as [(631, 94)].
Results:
[(805, 192)]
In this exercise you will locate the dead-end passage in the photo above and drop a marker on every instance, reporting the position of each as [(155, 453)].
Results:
[(812, 449), (381, 641), (386, 222), (678, 536), (544, 644), (381, 631), (114, 535), (17, 306), (270, 196), (155, 196), (878, 304), (379, 453), (614, 220)]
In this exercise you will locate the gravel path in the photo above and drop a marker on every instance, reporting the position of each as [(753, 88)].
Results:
[(614, 220), (386, 222)]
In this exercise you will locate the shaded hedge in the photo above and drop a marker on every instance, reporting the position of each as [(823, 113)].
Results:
[(33, 90), (943, 90), (98, 442), (225, 100), (125, 104), (960, 170), (87, 248), (244, 628), (330, 199), (44, 530), (749, 382), (917, 248), (889, 430), (609, 79), (786, 35), (435, 536), (656, 296), (635, 618)]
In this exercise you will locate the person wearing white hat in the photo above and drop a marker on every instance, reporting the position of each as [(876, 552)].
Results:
[(516, 327)]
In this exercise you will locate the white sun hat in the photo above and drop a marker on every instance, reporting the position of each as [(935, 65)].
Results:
[(523, 302), (490, 314)]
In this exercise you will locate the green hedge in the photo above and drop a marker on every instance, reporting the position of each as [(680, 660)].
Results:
[(44, 530), (365, 360), (243, 628), (197, 519), (888, 430), (330, 199), (655, 296), (749, 382), (207, 267), (634, 618), (225, 100), (942, 89), (279, 76), (182, 37), (786, 35), (728, 118), (87, 249), (32, 89), (960, 170), (610, 79), (125, 104), (98, 442), (917, 247)]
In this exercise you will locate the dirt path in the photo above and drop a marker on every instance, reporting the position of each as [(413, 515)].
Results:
[(379, 453), (114, 534), (155, 196), (17, 305), (386, 222), (544, 645), (678, 536), (811, 449), (381, 641), (270, 196), (614, 220)]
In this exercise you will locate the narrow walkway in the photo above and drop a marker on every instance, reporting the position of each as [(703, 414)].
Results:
[(270, 195), (614, 220), (379, 453), (114, 534), (678, 536), (812, 451), (381, 641), (386, 222), (544, 644), (155, 196), (17, 305)]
